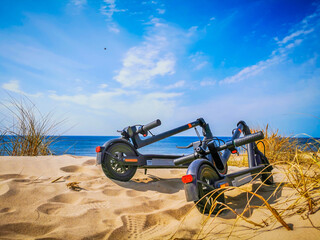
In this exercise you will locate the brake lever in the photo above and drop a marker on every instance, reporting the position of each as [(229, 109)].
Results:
[(189, 146)]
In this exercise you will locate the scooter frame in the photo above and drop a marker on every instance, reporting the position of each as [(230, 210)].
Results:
[(206, 151)]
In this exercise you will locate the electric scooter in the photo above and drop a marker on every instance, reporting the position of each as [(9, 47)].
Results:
[(206, 167)]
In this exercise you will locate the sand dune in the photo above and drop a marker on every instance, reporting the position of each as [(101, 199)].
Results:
[(149, 206)]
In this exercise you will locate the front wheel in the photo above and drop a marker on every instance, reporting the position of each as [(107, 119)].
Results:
[(114, 169), (206, 179)]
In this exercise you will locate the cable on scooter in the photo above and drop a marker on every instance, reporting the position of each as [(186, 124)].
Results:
[(264, 147)]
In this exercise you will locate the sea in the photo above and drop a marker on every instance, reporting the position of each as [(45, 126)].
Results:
[(85, 145)]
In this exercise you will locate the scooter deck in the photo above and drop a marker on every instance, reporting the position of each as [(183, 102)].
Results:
[(241, 177)]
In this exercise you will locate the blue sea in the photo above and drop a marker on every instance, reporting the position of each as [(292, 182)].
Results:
[(85, 145)]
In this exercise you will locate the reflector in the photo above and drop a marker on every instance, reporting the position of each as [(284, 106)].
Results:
[(187, 178), (98, 149)]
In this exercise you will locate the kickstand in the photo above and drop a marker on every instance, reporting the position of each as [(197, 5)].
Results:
[(145, 171)]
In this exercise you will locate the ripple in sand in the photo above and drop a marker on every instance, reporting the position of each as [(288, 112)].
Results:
[(9, 176), (4, 188), (25, 228), (89, 162)]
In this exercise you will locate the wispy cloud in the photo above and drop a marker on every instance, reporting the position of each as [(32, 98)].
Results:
[(287, 43), (294, 35), (252, 70), (178, 84), (207, 82), (14, 86), (79, 3), (118, 100), (198, 60), (161, 10), (109, 8)]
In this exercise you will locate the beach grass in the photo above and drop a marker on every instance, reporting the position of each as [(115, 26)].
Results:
[(26, 132)]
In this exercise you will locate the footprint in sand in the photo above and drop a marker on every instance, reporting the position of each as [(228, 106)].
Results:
[(7, 210), (71, 168), (70, 210), (139, 226), (70, 198), (111, 192)]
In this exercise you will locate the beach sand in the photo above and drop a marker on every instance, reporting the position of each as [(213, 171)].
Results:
[(151, 206)]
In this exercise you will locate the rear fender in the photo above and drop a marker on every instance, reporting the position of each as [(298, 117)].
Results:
[(106, 145), (191, 189)]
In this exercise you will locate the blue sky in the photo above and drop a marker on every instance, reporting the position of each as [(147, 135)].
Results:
[(104, 65)]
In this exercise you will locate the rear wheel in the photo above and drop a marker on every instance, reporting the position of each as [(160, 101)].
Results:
[(114, 169), (206, 178)]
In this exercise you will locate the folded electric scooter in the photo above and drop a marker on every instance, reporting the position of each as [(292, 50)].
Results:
[(207, 165)]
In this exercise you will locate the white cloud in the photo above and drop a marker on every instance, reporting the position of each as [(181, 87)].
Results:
[(278, 55), (79, 3), (151, 59), (192, 31), (104, 85), (14, 86), (252, 70), (113, 28), (199, 60), (126, 104), (201, 65), (207, 82), (294, 35), (110, 8), (161, 11), (178, 84)]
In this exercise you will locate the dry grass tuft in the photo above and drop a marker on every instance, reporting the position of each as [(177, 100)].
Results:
[(275, 146), (29, 133)]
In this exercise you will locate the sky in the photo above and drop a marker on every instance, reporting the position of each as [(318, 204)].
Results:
[(106, 64)]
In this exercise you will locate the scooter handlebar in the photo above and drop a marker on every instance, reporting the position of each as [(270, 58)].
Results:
[(147, 127), (248, 139), (241, 141), (228, 145)]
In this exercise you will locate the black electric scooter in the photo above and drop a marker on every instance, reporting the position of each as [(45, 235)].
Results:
[(207, 166)]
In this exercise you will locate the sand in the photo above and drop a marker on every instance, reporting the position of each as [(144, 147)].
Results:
[(151, 206)]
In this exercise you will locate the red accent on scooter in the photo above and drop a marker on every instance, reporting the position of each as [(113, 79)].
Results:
[(189, 124), (187, 178), (98, 149)]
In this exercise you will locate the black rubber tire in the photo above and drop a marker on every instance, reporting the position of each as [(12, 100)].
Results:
[(207, 174), (115, 170)]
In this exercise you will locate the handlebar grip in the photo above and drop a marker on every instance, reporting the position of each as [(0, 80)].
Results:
[(151, 125), (184, 159), (248, 139)]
